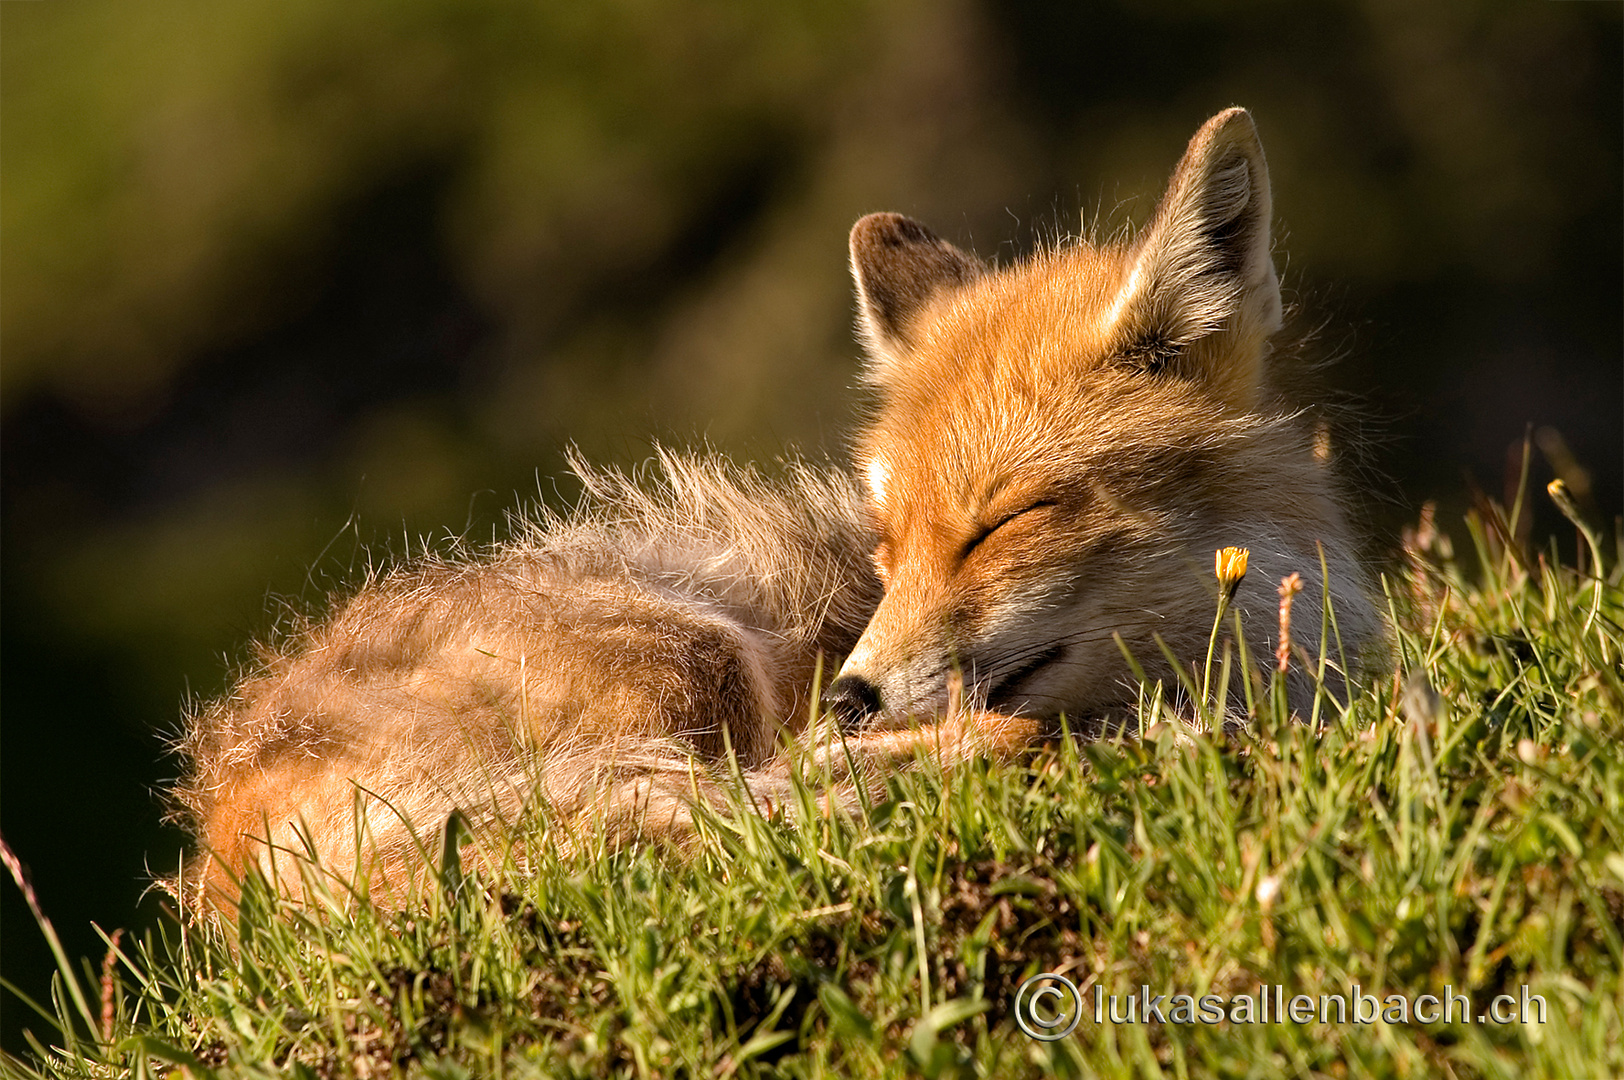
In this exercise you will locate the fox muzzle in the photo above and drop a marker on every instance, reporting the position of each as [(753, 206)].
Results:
[(853, 700)]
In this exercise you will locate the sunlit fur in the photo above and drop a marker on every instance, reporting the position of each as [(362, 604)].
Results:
[(1067, 441), (593, 658), (1057, 450)]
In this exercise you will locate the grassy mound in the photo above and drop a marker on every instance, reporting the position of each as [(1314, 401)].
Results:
[(1454, 830)]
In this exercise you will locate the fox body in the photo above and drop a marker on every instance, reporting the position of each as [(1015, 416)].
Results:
[(1057, 449)]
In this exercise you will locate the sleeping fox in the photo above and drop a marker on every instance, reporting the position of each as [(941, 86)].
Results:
[(1057, 449)]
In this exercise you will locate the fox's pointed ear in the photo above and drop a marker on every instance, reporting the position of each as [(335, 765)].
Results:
[(1201, 298), (898, 265)]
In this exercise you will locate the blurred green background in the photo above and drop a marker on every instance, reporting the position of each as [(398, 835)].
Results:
[(294, 287)]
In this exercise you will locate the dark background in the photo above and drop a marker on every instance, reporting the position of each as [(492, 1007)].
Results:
[(292, 287)]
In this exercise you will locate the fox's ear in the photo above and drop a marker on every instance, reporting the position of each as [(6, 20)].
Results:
[(898, 265), (1202, 298)]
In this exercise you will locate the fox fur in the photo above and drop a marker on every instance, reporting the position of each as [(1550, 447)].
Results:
[(1056, 450)]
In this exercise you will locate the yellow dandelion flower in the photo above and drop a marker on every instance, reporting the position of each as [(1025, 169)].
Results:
[(1563, 498), (1229, 564)]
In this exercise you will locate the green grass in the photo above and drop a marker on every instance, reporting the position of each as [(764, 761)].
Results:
[(1458, 824)]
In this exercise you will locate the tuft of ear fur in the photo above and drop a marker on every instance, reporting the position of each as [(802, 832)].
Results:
[(898, 265), (1202, 297)]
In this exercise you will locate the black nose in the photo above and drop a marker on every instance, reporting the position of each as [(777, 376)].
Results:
[(852, 699)]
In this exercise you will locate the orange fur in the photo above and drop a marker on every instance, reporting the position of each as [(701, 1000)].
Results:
[(1062, 444), (1058, 448)]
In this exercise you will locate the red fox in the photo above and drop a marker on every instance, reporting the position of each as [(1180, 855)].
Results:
[(1058, 448)]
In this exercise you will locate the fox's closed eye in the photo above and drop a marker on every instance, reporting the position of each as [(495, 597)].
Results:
[(976, 540)]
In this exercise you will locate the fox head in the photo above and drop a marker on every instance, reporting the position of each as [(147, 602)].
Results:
[(1060, 446)]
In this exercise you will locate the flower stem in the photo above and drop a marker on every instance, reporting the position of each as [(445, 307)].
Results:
[(1206, 670)]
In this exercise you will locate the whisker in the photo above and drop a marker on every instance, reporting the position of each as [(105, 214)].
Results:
[(1015, 657)]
